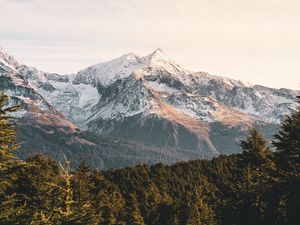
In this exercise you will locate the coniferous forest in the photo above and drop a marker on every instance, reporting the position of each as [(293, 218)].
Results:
[(260, 186)]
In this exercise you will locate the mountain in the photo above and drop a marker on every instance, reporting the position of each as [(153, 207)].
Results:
[(150, 100), (42, 128), (34, 106)]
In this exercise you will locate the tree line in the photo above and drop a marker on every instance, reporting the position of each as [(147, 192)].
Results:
[(259, 186)]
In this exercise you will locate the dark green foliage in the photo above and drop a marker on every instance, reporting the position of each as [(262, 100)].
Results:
[(134, 215), (198, 211), (10, 204), (287, 143), (7, 131), (259, 186)]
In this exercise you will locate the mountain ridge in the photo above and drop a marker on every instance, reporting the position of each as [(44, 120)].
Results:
[(152, 100)]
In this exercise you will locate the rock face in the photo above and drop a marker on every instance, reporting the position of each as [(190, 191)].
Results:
[(34, 106), (150, 99)]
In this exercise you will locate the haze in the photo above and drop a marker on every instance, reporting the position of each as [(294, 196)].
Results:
[(254, 41)]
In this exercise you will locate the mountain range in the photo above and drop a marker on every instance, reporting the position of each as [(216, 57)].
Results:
[(137, 109)]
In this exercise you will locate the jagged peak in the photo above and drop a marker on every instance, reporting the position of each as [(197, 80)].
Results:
[(158, 59), (158, 51), (8, 59), (108, 72), (158, 54), (130, 56), (1, 49)]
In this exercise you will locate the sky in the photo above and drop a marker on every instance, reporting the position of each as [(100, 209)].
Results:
[(255, 41)]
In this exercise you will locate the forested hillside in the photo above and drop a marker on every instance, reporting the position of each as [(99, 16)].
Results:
[(259, 186)]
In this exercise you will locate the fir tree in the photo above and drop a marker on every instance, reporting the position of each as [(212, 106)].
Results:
[(254, 149), (133, 211), (287, 143), (81, 186), (151, 198), (199, 212), (253, 185), (7, 132), (10, 206)]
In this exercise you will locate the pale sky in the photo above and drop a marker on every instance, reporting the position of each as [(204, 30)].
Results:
[(256, 41)]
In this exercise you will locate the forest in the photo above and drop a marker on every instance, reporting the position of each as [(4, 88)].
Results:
[(259, 186)]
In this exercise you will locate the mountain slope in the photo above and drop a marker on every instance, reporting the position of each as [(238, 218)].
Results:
[(41, 128), (161, 103), (152, 100), (98, 151)]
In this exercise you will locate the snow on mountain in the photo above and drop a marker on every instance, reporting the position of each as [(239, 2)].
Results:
[(153, 89), (165, 76), (8, 61), (160, 74), (152, 99), (106, 73), (33, 105), (76, 95), (72, 100)]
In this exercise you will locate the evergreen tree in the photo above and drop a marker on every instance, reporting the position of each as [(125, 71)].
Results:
[(254, 149), (244, 206), (35, 189), (112, 207), (68, 211), (151, 198), (9, 165), (7, 132), (81, 186), (256, 177), (199, 212), (134, 216), (165, 214), (287, 143), (259, 158), (96, 186)]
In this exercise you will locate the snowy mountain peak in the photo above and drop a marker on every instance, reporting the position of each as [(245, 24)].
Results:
[(158, 53), (159, 60), (129, 56), (8, 60), (108, 72)]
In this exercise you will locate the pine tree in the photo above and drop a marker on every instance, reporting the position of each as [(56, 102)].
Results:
[(111, 207), (254, 149), (245, 192), (34, 190), (10, 207), (7, 132), (193, 214), (96, 185), (151, 198), (68, 211), (256, 177), (287, 143), (259, 158), (134, 214), (81, 186), (107, 202), (199, 212), (165, 214)]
